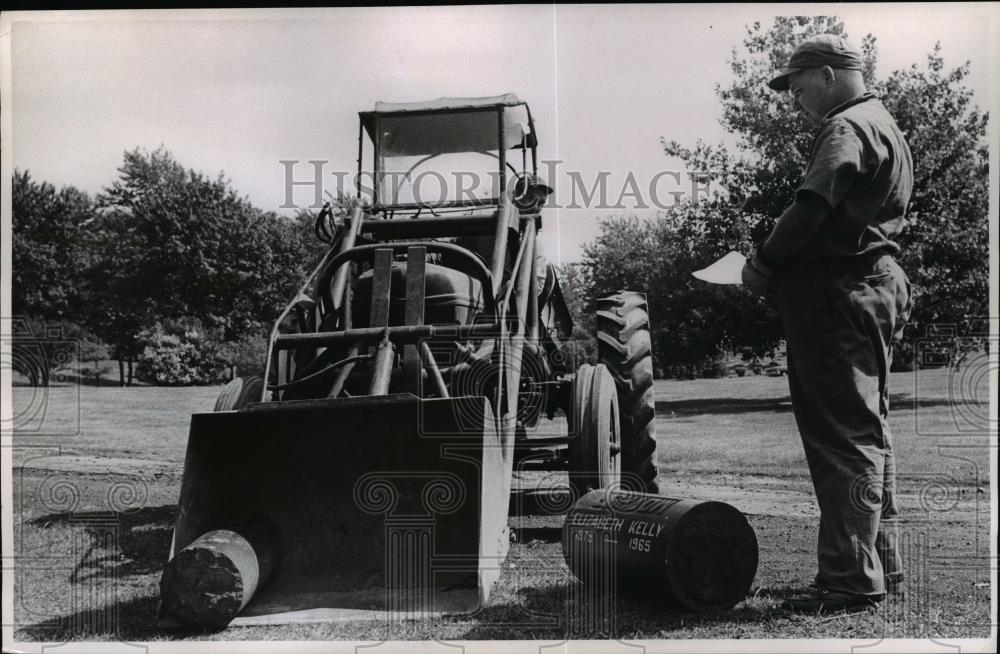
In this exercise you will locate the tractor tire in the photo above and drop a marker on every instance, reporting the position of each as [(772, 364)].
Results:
[(595, 436), (623, 345), (238, 393)]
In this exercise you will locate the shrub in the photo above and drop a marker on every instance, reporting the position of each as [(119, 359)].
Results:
[(246, 354), (714, 367), (181, 353)]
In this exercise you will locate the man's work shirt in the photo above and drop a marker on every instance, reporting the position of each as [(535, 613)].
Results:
[(861, 165)]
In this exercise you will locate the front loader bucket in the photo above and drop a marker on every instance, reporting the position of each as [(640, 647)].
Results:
[(388, 504)]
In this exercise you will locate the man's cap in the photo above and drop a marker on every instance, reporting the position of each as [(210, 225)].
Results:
[(823, 50)]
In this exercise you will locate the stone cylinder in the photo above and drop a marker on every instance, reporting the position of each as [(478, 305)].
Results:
[(702, 554)]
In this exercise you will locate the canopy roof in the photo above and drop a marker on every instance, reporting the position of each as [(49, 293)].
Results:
[(440, 126), (444, 104)]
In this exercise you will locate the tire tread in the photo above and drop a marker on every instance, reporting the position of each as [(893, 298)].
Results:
[(624, 346)]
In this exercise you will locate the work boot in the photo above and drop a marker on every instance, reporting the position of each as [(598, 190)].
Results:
[(824, 600)]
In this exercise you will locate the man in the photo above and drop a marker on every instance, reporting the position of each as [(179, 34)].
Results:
[(843, 302)]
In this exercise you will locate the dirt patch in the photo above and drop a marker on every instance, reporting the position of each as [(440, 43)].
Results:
[(100, 465)]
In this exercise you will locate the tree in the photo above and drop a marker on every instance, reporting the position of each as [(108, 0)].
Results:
[(693, 322), (207, 252), (49, 234), (773, 138), (176, 244), (945, 248), (163, 243), (120, 305), (50, 231)]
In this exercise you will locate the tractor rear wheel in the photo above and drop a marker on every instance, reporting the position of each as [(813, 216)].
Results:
[(238, 393), (623, 345), (595, 436)]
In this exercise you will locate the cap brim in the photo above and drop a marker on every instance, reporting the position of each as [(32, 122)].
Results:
[(780, 83)]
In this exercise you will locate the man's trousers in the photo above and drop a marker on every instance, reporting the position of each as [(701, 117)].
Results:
[(841, 319)]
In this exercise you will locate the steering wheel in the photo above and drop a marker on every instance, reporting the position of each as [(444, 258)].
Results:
[(406, 176)]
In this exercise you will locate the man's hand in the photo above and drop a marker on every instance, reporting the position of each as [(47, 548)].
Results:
[(756, 276)]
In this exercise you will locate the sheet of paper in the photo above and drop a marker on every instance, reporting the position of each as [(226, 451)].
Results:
[(726, 270)]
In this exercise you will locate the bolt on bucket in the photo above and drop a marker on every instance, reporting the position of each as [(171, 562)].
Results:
[(701, 554)]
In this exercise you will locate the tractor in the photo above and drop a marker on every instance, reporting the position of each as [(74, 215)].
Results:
[(370, 469)]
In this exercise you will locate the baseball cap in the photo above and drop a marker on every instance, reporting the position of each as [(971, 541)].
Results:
[(823, 50)]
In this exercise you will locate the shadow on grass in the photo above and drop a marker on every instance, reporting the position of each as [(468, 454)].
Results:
[(130, 620), (536, 613), (658, 616), (722, 405), (899, 401), (78, 377), (565, 612), (92, 380), (733, 405), (121, 544)]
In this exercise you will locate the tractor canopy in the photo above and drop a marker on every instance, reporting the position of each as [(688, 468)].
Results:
[(449, 152)]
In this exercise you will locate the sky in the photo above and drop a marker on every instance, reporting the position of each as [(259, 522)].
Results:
[(239, 91)]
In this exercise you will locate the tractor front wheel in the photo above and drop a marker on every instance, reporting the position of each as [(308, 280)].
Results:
[(594, 442), (238, 393)]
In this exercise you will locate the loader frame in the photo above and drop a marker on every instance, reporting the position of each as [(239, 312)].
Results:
[(351, 406)]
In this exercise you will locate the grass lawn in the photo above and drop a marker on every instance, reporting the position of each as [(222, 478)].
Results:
[(745, 425), (146, 422), (94, 507), (736, 425)]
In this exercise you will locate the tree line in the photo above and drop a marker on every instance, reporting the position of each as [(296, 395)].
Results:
[(164, 257)]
